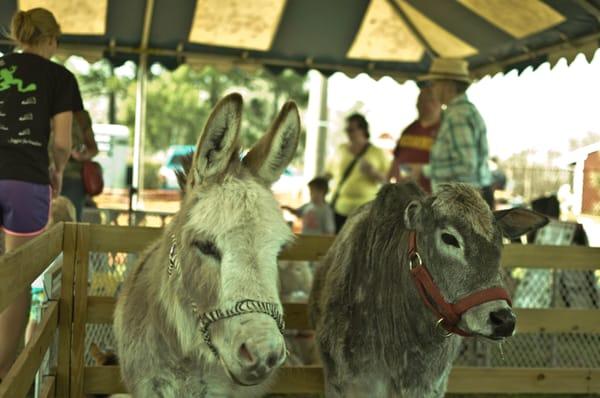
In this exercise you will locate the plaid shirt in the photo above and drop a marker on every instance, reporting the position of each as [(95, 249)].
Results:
[(460, 151)]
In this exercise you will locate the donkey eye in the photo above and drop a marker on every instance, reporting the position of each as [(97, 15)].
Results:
[(450, 240), (208, 249)]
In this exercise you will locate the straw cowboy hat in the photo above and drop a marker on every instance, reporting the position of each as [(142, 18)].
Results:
[(448, 69)]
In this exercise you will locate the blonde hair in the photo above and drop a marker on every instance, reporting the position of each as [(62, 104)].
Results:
[(31, 27), (62, 210)]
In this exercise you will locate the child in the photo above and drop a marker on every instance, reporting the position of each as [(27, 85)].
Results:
[(317, 216)]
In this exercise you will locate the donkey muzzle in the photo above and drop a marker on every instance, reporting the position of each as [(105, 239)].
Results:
[(503, 323), (259, 356)]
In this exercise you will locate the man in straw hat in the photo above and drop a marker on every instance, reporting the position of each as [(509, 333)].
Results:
[(460, 151)]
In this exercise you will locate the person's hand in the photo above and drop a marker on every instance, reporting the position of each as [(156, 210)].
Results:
[(77, 155), (291, 210), (56, 178), (80, 156)]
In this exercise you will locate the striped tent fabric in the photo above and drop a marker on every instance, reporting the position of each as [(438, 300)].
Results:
[(396, 38)]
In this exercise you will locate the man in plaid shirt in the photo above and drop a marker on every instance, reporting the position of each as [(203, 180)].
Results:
[(460, 151)]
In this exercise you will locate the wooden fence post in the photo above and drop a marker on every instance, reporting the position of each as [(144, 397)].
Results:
[(65, 313), (79, 310)]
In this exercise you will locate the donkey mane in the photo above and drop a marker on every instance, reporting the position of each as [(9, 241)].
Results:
[(375, 272)]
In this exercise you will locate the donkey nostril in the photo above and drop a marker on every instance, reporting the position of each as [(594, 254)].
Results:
[(272, 360), (245, 354), (503, 317)]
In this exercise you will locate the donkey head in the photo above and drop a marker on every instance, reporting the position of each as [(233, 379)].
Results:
[(460, 241), (228, 234)]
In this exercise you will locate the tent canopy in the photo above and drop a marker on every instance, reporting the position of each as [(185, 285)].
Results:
[(379, 37)]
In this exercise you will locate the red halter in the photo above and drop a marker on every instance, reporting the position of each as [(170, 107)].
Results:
[(449, 314)]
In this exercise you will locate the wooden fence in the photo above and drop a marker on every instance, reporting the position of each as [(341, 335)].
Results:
[(74, 309)]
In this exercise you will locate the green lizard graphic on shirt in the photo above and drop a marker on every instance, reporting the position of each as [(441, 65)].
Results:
[(7, 79)]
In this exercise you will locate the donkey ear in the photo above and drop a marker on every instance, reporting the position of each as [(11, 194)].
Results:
[(518, 221), (275, 150), (218, 140), (412, 215)]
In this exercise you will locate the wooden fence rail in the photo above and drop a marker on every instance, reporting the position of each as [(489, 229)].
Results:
[(559, 320), (466, 380), (105, 238)]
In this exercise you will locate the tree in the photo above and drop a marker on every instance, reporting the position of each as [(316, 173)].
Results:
[(101, 81), (179, 102)]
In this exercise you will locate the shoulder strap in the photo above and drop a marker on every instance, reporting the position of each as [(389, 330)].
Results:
[(346, 174)]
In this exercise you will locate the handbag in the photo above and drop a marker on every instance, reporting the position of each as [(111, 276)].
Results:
[(91, 174)]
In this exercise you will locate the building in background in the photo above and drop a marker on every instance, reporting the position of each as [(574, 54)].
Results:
[(585, 163)]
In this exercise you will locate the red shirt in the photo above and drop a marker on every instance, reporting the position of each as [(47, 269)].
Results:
[(414, 146)]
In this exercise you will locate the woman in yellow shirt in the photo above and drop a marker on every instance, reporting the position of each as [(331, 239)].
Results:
[(358, 170)]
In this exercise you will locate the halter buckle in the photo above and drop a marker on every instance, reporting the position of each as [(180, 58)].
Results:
[(438, 326), (411, 261)]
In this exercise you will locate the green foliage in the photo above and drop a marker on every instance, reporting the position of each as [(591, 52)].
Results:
[(151, 178), (179, 101)]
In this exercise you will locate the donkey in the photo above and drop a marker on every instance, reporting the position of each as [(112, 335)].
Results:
[(405, 280), (199, 315)]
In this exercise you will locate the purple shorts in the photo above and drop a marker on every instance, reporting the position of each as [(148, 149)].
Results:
[(24, 207)]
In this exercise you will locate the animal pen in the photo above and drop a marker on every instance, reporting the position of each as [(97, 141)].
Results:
[(556, 350)]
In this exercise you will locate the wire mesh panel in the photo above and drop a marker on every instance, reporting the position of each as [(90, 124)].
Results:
[(107, 273), (545, 288)]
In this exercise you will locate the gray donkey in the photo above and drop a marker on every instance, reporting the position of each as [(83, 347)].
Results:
[(199, 315), (407, 277)]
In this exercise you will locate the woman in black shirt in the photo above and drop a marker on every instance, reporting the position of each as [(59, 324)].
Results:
[(35, 94)]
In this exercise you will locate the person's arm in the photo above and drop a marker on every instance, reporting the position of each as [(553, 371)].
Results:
[(296, 212), (375, 171), (329, 224), (61, 147), (394, 171), (91, 148)]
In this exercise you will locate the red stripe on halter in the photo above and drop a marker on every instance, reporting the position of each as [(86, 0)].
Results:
[(448, 313)]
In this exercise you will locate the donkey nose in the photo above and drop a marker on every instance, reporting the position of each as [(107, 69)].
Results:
[(259, 358), (503, 322)]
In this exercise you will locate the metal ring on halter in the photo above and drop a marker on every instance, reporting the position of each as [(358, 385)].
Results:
[(413, 257), (439, 322)]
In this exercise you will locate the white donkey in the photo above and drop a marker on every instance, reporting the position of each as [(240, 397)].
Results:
[(199, 315)]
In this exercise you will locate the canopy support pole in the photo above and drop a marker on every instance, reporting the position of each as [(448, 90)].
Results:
[(316, 126), (139, 133), (137, 185)]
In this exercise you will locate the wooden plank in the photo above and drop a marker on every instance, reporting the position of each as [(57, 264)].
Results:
[(20, 377), (305, 379), (309, 379), (523, 380), (296, 316), (307, 248), (557, 320), (48, 389), (66, 310), (107, 380), (20, 267), (558, 257), (102, 380), (310, 248), (79, 310), (100, 309), (105, 238)]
